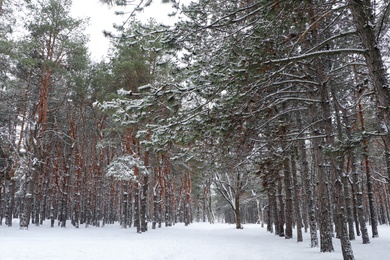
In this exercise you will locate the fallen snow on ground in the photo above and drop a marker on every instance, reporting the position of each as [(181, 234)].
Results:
[(201, 241)]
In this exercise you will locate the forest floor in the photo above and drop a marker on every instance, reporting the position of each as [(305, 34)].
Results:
[(201, 241)]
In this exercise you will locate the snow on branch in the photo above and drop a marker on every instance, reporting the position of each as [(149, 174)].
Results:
[(122, 167), (316, 54)]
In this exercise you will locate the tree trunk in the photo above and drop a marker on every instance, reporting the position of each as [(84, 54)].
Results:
[(210, 214), (237, 212), (43, 203), (155, 208), (310, 194), (269, 214), (274, 207), (289, 197), (281, 207), (27, 201), (167, 205), (187, 199), (130, 204), (10, 201), (145, 185), (137, 220), (160, 206), (145, 188), (345, 242), (125, 213), (306, 183), (387, 161), (297, 196), (237, 193)]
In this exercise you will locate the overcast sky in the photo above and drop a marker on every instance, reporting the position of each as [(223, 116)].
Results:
[(102, 17)]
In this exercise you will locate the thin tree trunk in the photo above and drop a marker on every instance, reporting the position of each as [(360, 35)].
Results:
[(187, 199), (274, 207), (160, 206), (210, 214), (355, 214), (155, 207), (386, 202), (311, 199), (125, 208), (130, 204), (387, 161), (281, 207), (297, 196), (137, 222), (238, 186), (289, 200), (306, 182)]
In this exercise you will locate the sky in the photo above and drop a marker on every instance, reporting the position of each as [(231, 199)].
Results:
[(102, 17)]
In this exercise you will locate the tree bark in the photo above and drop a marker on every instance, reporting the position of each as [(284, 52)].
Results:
[(281, 215), (346, 247), (144, 199), (125, 209), (297, 196), (289, 198), (238, 186)]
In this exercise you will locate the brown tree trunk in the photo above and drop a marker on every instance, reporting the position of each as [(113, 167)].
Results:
[(187, 205)]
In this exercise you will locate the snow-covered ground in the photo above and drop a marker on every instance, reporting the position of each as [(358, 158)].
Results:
[(198, 241)]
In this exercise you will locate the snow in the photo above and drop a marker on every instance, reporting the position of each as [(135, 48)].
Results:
[(198, 241)]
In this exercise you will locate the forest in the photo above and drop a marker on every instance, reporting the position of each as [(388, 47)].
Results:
[(249, 111)]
